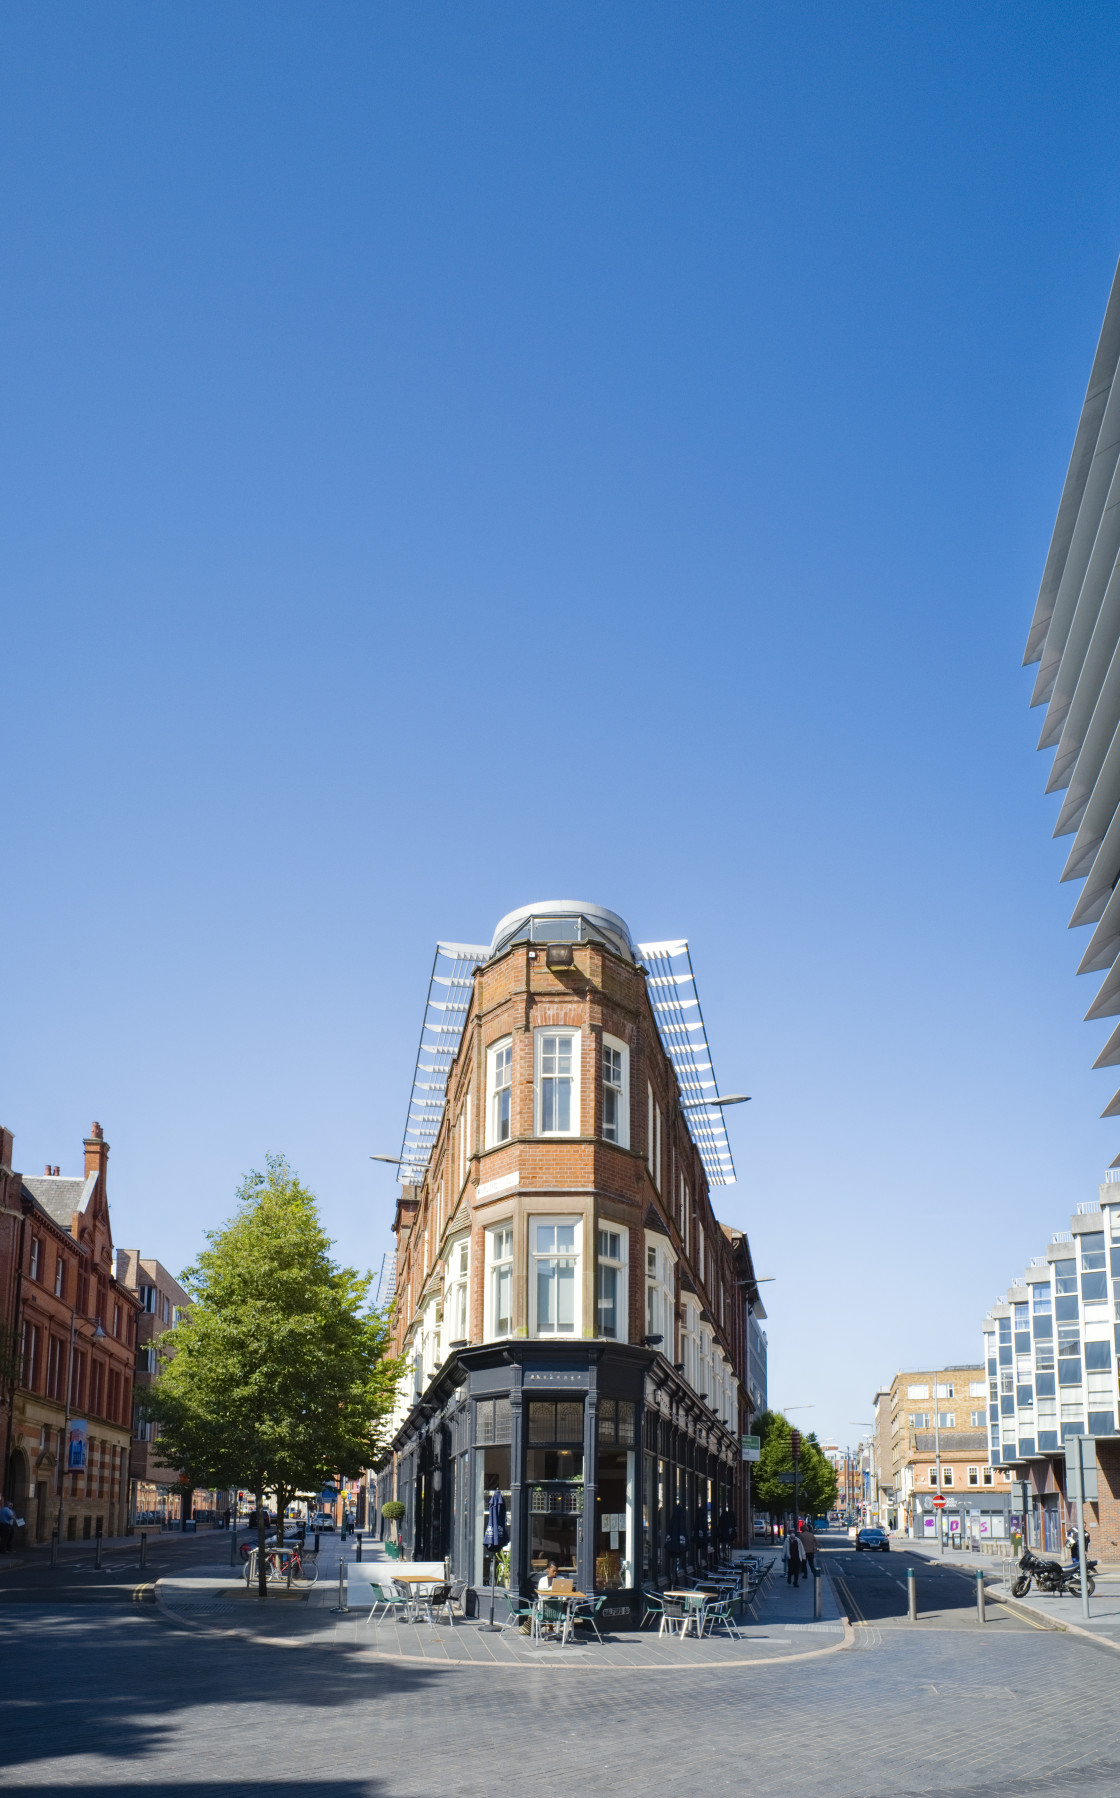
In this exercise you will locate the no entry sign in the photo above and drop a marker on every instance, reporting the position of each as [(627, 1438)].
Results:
[(939, 1501)]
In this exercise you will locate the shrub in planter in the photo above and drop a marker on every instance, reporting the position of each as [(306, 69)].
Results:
[(392, 1511)]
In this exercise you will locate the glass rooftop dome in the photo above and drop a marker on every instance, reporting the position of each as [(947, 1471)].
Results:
[(563, 921)]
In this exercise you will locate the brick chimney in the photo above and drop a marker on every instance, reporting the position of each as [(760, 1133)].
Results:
[(97, 1162)]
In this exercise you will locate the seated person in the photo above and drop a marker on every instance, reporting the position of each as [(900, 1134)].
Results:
[(545, 1583)]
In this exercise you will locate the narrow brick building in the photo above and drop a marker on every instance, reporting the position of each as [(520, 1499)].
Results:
[(71, 1330), (571, 1310)]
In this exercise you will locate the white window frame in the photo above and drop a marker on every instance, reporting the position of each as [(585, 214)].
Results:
[(946, 1476), (661, 1287), (544, 1220), (494, 1053), (457, 1292), (619, 1048), (611, 1227), (499, 1235), (540, 1036)]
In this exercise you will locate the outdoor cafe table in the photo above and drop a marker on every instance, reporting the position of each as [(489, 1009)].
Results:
[(415, 1580), (569, 1600), (694, 1604)]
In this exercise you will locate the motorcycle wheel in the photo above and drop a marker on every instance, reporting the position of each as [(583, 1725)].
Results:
[(1021, 1586), (1092, 1585)]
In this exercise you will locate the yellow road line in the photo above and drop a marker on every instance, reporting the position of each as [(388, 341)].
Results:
[(854, 1610)]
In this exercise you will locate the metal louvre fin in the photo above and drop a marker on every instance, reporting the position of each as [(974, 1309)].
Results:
[(440, 1034), (686, 1044)]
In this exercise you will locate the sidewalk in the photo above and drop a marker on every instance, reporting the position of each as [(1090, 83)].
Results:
[(779, 1626), (79, 1552)]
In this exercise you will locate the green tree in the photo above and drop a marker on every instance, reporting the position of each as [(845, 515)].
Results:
[(816, 1481), (277, 1377)]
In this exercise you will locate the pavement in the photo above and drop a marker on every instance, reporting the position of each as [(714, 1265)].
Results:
[(779, 1625), (122, 1699)]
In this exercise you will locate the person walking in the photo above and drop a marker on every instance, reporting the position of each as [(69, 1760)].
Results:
[(7, 1526), (809, 1545), (794, 1557)]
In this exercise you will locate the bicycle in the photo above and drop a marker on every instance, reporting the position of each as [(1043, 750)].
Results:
[(287, 1565)]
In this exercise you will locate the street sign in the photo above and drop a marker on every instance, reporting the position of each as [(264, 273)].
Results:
[(939, 1501), (785, 1479), (752, 1448), (1089, 1451)]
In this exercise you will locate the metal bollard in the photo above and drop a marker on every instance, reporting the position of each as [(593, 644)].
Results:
[(911, 1595), (359, 1554), (342, 1584), (316, 1541), (816, 1594), (288, 1584), (980, 1612), (143, 1549), (97, 1551), (54, 1548)]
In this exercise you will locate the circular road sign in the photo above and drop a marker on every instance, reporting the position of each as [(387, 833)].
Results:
[(939, 1501)]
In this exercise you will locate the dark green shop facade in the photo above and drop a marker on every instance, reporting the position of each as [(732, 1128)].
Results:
[(609, 1465)]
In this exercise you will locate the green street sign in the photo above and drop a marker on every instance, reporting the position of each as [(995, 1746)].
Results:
[(752, 1448)]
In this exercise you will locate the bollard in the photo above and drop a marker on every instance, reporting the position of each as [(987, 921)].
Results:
[(980, 1613), (359, 1554), (911, 1595), (233, 1547), (54, 1548), (288, 1585), (316, 1541), (816, 1594), (143, 1548), (97, 1550), (342, 1584)]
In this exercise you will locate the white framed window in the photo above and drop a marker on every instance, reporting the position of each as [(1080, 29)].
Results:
[(946, 1476), (499, 1281), (36, 1257), (610, 1285), (653, 1137), (987, 1476), (946, 1420), (499, 1089), (456, 1296), (616, 1091), (917, 1391), (974, 1476), (557, 1082), (555, 1255), (660, 1288), (978, 1419), (933, 1476)]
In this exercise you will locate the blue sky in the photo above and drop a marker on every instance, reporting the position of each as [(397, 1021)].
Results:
[(462, 454)]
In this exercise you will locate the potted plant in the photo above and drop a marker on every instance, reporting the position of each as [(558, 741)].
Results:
[(392, 1511)]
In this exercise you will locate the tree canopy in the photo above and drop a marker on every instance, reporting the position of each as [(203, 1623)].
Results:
[(277, 1377), (816, 1482)]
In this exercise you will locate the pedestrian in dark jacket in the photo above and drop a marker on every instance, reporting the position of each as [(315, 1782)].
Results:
[(795, 1558)]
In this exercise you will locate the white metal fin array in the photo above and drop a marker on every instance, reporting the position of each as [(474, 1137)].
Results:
[(449, 995), (676, 1006)]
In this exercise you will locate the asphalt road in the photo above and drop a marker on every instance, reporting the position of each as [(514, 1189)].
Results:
[(871, 1589), (75, 1580)]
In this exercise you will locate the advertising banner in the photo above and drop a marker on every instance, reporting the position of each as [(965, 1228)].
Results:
[(76, 1445)]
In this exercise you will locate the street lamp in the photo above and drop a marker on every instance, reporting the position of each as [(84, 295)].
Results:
[(393, 1160), (727, 1099)]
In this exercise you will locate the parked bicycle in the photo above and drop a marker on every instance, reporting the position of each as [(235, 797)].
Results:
[(283, 1566)]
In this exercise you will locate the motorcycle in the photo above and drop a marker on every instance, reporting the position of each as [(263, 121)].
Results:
[(1051, 1576)]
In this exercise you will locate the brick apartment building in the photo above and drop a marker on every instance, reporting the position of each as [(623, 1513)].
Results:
[(571, 1311), (931, 1436), (71, 1330), (158, 1494)]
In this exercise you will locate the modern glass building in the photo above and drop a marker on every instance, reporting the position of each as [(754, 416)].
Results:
[(1051, 1346)]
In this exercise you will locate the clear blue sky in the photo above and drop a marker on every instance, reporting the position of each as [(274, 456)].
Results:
[(460, 454)]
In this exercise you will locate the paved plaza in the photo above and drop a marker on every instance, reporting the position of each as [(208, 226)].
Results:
[(304, 1704)]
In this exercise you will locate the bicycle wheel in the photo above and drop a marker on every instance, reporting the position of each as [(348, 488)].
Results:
[(305, 1574)]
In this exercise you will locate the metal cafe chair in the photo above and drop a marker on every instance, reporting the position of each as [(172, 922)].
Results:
[(389, 1603), (438, 1599), (674, 1615), (655, 1606), (587, 1613), (718, 1616)]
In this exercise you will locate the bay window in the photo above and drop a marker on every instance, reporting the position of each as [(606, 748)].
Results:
[(456, 1295), (557, 1082), (499, 1087), (555, 1276), (499, 1281), (611, 1298), (616, 1091), (660, 1283)]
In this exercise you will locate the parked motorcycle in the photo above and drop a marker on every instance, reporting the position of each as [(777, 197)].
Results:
[(1051, 1576)]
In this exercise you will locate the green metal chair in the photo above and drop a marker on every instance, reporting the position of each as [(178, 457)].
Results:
[(588, 1612)]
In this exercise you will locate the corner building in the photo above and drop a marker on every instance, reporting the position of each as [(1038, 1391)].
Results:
[(571, 1311)]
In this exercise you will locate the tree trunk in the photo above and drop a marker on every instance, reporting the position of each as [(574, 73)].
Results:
[(262, 1575)]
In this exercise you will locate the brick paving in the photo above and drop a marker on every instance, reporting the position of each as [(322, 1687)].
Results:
[(125, 1701)]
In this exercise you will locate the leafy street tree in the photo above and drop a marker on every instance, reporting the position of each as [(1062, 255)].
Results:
[(816, 1480), (277, 1377)]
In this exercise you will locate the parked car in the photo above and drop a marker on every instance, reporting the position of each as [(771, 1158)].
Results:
[(873, 1538), (321, 1521)]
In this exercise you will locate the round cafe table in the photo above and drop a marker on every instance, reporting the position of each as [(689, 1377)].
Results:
[(694, 1604), (414, 1581)]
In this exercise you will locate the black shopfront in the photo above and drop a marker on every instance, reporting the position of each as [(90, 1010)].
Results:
[(608, 1463)]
